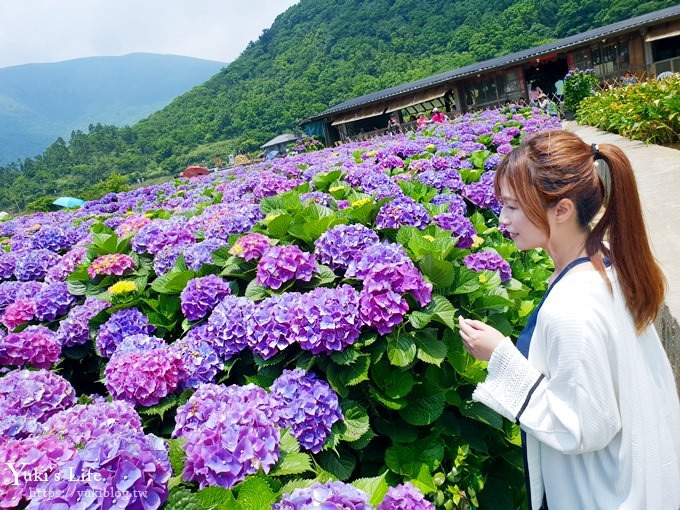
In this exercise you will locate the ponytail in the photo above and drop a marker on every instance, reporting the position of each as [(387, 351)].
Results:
[(641, 279)]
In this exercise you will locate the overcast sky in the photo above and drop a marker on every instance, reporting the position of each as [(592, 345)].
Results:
[(37, 31)]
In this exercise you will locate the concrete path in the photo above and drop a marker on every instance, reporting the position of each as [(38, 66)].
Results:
[(657, 170)]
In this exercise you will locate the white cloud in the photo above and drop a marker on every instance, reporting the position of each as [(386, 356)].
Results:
[(33, 31)]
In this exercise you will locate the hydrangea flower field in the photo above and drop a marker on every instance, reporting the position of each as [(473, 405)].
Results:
[(280, 335)]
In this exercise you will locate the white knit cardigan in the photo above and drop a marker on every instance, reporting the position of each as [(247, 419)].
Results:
[(597, 401)]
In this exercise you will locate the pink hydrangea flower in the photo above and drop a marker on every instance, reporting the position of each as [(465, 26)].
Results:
[(111, 264), (18, 313)]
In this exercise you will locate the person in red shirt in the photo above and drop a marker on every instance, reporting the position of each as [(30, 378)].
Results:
[(437, 116)]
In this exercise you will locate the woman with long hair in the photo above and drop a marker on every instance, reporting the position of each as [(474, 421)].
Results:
[(588, 380)]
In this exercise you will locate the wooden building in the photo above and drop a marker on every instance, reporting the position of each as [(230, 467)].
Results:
[(645, 45)]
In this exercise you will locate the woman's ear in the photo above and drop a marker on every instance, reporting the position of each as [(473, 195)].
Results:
[(564, 210)]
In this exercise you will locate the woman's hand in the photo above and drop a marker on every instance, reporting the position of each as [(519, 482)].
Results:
[(479, 339)]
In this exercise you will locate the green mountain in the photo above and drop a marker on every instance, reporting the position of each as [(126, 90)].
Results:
[(316, 54), (40, 102)]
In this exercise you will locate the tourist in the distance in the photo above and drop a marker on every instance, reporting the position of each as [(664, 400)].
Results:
[(393, 125), (437, 116), (588, 380)]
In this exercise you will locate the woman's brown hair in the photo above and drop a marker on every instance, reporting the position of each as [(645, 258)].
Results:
[(552, 165)]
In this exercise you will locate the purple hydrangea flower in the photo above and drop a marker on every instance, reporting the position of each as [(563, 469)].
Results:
[(456, 203), (203, 407), (404, 497), (489, 261), (269, 325), (270, 184), (281, 264), (227, 325), (307, 405), (201, 295), (459, 225), (223, 227), (8, 262), (400, 212), (340, 245), (144, 377), (75, 328), (53, 301), (162, 234), (13, 290), (34, 264), (251, 246), (165, 258), (229, 434), (66, 265), (32, 459), (318, 197), (35, 346), (126, 322), (200, 361), (328, 319), (124, 471), (83, 423), (138, 343), (386, 266), (482, 194), (442, 179), (33, 394), (324, 495), (196, 255), (382, 308)]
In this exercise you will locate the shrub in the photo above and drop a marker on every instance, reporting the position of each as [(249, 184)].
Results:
[(577, 86), (648, 111)]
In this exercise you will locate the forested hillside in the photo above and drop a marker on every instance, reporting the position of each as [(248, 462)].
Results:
[(40, 102), (316, 54)]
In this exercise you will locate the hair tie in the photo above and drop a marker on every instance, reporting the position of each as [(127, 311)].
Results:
[(596, 150)]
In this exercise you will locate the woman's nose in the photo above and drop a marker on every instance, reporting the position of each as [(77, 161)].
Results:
[(503, 218)]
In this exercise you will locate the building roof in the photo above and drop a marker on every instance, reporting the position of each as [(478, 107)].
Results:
[(504, 61), (284, 138)]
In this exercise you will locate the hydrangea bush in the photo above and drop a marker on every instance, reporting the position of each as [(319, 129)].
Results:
[(305, 351)]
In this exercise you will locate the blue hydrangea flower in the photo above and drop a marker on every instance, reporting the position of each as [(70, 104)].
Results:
[(53, 301), (201, 295), (329, 495), (196, 255), (126, 322), (307, 405), (34, 264), (400, 212), (340, 245), (75, 328), (200, 360), (227, 326), (327, 319)]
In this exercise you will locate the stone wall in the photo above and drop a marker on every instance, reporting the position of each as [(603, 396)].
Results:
[(669, 331)]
